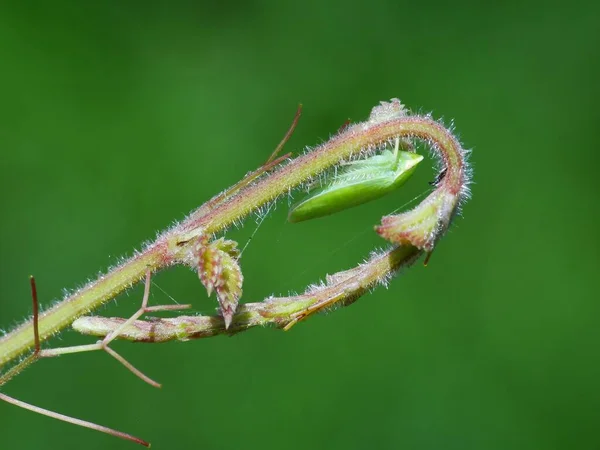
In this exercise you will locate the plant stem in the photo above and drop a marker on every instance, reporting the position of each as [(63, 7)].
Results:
[(343, 288), (82, 302), (352, 141), (173, 246)]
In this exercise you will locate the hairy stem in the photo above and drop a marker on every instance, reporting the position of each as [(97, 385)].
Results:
[(342, 288), (82, 302), (351, 141), (173, 246)]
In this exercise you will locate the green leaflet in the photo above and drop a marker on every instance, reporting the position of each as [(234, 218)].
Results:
[(359, 182)]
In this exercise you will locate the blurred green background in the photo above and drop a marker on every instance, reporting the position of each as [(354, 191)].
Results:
[(117, 119)]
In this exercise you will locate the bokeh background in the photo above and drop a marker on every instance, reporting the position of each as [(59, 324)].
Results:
[(117, 119)]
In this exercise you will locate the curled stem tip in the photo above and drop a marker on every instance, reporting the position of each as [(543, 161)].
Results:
[(192, 242)]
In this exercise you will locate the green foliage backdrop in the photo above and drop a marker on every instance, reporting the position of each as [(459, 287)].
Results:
[(118, 118)]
